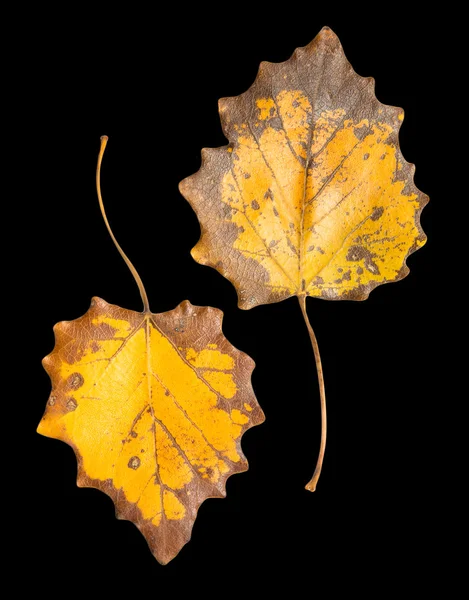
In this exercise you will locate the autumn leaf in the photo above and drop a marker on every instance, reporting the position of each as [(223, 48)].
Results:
[(154, 406), (312, 196)]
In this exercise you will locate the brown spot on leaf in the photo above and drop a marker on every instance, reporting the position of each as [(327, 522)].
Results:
[(366, 156), (275, 211), (247, 175), (133, 434), (75, 381), (320, 250), (95, 347), (134, 463), (377, 213), (268, 195), (71, 404), (359, 271), (255, 205)]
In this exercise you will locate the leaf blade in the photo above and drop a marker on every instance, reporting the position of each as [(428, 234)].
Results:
[(312, 194), (146, 425)]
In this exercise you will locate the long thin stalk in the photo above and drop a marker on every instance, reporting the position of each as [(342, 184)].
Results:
[(311, 485), (133, 270)]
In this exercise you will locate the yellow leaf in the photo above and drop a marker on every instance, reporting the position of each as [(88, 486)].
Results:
[(132, 396)]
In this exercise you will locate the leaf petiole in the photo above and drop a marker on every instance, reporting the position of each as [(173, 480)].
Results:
[(133, 270), (311, 485)]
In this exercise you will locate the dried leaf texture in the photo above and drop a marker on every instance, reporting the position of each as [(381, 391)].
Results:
[(312, 196), (154, 406)]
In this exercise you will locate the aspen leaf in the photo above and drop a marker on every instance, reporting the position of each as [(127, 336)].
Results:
[(312, 196), (154, 406)]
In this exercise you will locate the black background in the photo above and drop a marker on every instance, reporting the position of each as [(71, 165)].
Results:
[(151, 83)]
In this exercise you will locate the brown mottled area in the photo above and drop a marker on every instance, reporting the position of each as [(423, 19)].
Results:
[(359, 253)]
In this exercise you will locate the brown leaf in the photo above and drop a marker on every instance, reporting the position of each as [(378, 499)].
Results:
[(312, 195)]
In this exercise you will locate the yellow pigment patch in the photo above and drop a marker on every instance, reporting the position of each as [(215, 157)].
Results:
[(346, 222), (209, 358), (266, 107), (173, 508), (238, 417), (221, 382), (248, 407)]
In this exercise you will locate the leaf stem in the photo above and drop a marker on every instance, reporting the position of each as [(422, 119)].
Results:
[(311, 486), (133, 270)]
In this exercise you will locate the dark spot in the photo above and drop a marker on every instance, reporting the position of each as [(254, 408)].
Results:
[(320, 250), (311, 248), (275, 211), (247, 175), (52, 400), (292, 226), (166, 392), (303, 285), (268, 195), (149, 409), (241, 229), (255, 205), (292, 246), (133, 434), (142, 450), (209, 471), (71, 404), (75, 381), (295, 104), (347, 276), (362, 132), (318, 280), (359, 271), (383, 156), (340, 269), (366, 156), (272, 111), (95, 347), (273, 243), (134, 463), (377, 213)]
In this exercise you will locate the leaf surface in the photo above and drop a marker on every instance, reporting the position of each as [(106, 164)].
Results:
[(154, 406), (312, 196)]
